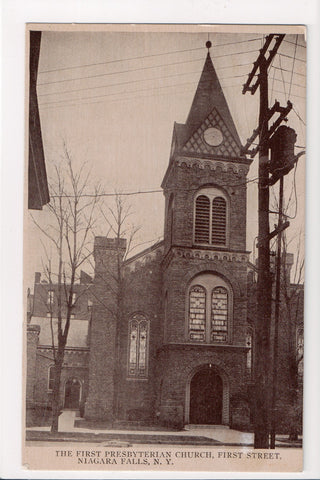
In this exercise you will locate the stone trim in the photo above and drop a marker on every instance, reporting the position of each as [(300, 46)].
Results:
[(205, 254), (219, 255), (212, 165)]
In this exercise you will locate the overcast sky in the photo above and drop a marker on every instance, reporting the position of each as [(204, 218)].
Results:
[(114, 96)]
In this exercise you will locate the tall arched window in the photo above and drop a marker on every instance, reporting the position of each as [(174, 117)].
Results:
[(211, 217), (197, 313), (138, 346), (202, 220), (219, 314), (209, 309), (50, 377)]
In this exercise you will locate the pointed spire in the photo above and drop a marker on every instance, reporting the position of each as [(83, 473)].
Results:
[(209, 95)]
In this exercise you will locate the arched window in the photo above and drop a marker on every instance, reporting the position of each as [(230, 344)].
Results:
[(219, 221), (211, 217), (209, 309), (138, 346), (197, 313), (202, 220), (219, 315), (50, 377)]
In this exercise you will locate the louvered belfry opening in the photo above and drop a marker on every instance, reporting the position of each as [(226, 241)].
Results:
[(219, 218), (202, 221)]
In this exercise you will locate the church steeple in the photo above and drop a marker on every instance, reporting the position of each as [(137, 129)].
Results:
[(209, 131), (209, 95)]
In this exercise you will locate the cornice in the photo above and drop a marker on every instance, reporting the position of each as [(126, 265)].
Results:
[(241, 168), (205, 254)]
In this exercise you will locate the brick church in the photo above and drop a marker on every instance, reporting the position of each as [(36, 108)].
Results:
[(180, 352)]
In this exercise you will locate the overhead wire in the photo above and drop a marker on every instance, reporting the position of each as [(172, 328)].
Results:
[(135, 81), (131, 91), (136, 69), (142, 192), (294, 55), (141, 57)]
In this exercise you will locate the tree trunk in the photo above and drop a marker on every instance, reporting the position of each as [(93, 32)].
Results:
[(56, 391)]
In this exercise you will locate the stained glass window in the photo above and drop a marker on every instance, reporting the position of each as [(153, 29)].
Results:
[(138, 346), (197, 313), (219, 315)]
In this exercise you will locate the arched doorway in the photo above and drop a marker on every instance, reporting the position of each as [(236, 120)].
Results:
[(206, 397), (72, 393)]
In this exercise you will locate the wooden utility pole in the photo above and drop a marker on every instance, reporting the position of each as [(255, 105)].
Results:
[(262, 330), (262, 359), (276, 322)]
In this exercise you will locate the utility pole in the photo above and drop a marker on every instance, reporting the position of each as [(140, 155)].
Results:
[(276, 322), (264, 286)]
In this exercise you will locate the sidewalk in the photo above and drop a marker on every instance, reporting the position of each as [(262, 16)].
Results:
[(191, 435)]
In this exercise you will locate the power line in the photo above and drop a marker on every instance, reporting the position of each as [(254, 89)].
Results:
[(117, 84), (236, 43), (289, 56), (293, 43), (73, 104), (134, 81), (292, 94), (139, 69), (122, 71), (294, 55), (298, 115), (285, 70), (133, 91), (121, 93), (141, 57), (120, 60), (52, 104), (142, 192)]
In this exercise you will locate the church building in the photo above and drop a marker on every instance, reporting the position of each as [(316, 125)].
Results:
[(173, 346), (181, 354)]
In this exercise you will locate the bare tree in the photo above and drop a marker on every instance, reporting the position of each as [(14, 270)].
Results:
[(117, 217), (292, 294), (71, 214)]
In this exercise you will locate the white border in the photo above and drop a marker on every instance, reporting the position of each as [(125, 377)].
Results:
[(15, 13)]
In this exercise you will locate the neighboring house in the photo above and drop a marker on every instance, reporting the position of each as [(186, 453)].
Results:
[(180, 351), (42, 331)]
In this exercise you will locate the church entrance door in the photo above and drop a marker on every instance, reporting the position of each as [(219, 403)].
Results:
[(72, 393), (206, 397)]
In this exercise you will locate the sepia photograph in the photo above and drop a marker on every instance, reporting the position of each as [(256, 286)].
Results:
[(164, 240)]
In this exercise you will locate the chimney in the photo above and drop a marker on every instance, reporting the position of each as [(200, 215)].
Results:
[(37, 277)]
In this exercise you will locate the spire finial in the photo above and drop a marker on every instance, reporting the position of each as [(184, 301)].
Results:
[(208, 45)]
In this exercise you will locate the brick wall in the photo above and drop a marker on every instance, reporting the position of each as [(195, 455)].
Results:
[(32, 344), (184, 181), (103, 330)]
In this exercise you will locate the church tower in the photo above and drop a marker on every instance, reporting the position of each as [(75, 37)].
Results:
[(205, 265)]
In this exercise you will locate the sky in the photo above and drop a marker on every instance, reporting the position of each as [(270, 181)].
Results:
[(113, 97)]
